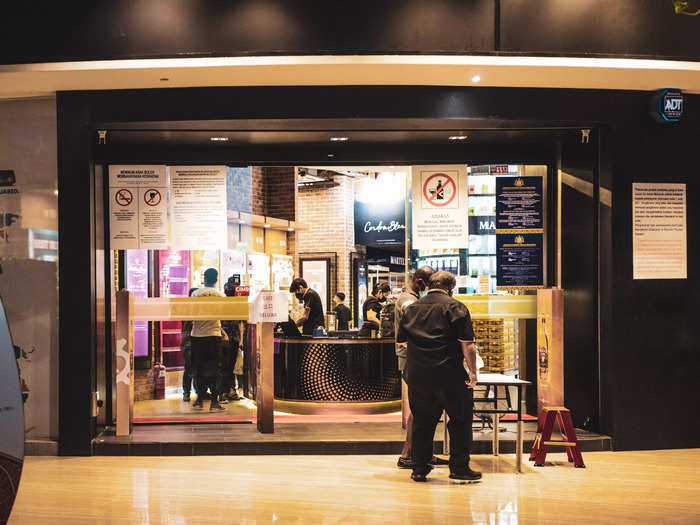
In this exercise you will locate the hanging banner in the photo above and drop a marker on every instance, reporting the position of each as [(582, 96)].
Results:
[(138, 209), (659, 248), (380, 210), (439, 207), (198, 207)]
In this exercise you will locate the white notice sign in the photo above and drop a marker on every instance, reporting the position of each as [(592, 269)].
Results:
[(198, 207), (439, 207), (268, 307), (659, 231), (138, 207)]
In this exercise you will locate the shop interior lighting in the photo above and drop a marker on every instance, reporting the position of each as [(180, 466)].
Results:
[(55, 192), (458, 137), (219, 139), (476, 78), (290, 229), (330, 155), (266, 225), (339, 139)]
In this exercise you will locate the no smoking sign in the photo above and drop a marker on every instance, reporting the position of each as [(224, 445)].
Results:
[(439, 190)]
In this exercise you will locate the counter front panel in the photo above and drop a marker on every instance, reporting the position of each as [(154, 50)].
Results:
[(340, 370)]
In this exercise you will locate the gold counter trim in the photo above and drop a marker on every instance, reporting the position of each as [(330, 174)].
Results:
[(500, 306), (190, 308), (337, 407)]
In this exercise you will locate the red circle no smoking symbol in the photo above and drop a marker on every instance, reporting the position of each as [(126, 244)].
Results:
[(439, 189), (151, 197), (123, 197)]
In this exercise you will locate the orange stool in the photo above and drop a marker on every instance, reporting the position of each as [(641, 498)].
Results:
[(545, 427)]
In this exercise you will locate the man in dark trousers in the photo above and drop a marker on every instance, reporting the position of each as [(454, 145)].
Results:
[(313, 307), (440, 339)]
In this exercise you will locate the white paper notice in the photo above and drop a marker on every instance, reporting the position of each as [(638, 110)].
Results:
[(659, 231), (439, 207), (198, 207), (138, 207)]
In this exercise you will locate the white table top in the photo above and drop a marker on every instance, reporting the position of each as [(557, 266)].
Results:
[(500, 379)]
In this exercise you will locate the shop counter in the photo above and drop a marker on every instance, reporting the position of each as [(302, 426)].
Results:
[(326, 375)]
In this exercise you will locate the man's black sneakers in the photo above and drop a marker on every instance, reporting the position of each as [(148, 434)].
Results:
[(436, 461), (421, 476), (466, 476), (216, 407), (198, 403)]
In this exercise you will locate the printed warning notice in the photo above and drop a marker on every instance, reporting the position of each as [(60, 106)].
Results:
[(659, 231), (138, 207), (439, 207), (198, 207)]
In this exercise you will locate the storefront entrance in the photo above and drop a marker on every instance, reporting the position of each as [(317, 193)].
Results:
[(344, 227)]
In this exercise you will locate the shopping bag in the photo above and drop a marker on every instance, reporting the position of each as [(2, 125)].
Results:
[(238, 367)]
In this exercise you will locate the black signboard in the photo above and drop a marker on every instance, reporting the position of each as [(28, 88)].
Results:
[(380, 223), (518, 203), (519, 260)]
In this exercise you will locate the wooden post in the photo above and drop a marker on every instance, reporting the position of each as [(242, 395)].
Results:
[(265, 377), (550, 348), (125, 362)]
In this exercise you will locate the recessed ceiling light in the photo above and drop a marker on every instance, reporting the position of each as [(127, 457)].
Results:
[(266, 225), (55, 192), (290, 229), (330, 155), (459, 137), (219, 139), (476, 78), (339, 139)]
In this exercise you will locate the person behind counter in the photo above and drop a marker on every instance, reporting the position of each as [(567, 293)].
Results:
[(313, 307), (373, 308), (342, 312), (440, 337)]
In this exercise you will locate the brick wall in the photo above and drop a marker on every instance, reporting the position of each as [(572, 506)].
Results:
[(325, 224), (257, 190)]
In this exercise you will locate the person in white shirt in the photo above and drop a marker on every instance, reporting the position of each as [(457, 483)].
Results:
[(206, 347)]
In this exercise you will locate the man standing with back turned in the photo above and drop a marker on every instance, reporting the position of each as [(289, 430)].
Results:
[(440, 339)]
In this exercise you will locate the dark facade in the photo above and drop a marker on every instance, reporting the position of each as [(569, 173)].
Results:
[(632, 364)]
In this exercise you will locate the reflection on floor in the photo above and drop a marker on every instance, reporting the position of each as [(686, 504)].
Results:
[(619, 487), (175, 407)]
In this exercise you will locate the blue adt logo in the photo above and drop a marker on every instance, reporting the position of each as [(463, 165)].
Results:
[(667, 105)]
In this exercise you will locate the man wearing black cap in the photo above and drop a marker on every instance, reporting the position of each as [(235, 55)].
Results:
[(206, 347), (440, 340)]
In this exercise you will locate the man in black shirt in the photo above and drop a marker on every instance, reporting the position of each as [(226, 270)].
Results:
[(342, 312), (440, 339), (372, 308), (313, 307)]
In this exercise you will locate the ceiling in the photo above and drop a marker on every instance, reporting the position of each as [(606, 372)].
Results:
[(27, 80)]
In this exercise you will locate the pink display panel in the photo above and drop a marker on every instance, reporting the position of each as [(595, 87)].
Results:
[(137, 283), (174, 281)]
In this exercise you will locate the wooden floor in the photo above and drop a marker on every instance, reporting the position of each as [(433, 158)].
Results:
[(616, 487)]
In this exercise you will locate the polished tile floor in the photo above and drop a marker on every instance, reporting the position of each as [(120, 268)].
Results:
[(616, 487)]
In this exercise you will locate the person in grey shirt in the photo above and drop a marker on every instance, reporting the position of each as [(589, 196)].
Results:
[(417, 284)]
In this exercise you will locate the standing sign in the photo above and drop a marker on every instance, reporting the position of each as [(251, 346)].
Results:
[(550, 348), (198, 207), (268, 307), (11, 422), (138, 208), (659, 248), (439, 207), (519, 233)]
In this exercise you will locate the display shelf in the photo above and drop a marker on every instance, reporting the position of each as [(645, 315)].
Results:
[(171, 349), (482, 194), (173, 331)]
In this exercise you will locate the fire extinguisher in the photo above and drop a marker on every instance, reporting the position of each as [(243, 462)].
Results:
[(159, 381)]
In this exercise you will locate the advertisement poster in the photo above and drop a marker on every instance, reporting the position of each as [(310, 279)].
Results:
[(198, 207), (518, 203), (659, 231), (519, 260), (362, 292), (550, 348), (380, 209), (138, 208), (439, 207), (315, 273)]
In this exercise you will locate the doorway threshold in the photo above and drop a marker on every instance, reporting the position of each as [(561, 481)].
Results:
[(322, 438)]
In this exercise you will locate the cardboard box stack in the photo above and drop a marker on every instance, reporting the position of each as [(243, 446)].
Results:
[(496, 340)]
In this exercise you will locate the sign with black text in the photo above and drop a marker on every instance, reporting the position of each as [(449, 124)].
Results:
[(439, 207), (519, 260), (518, 203)]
